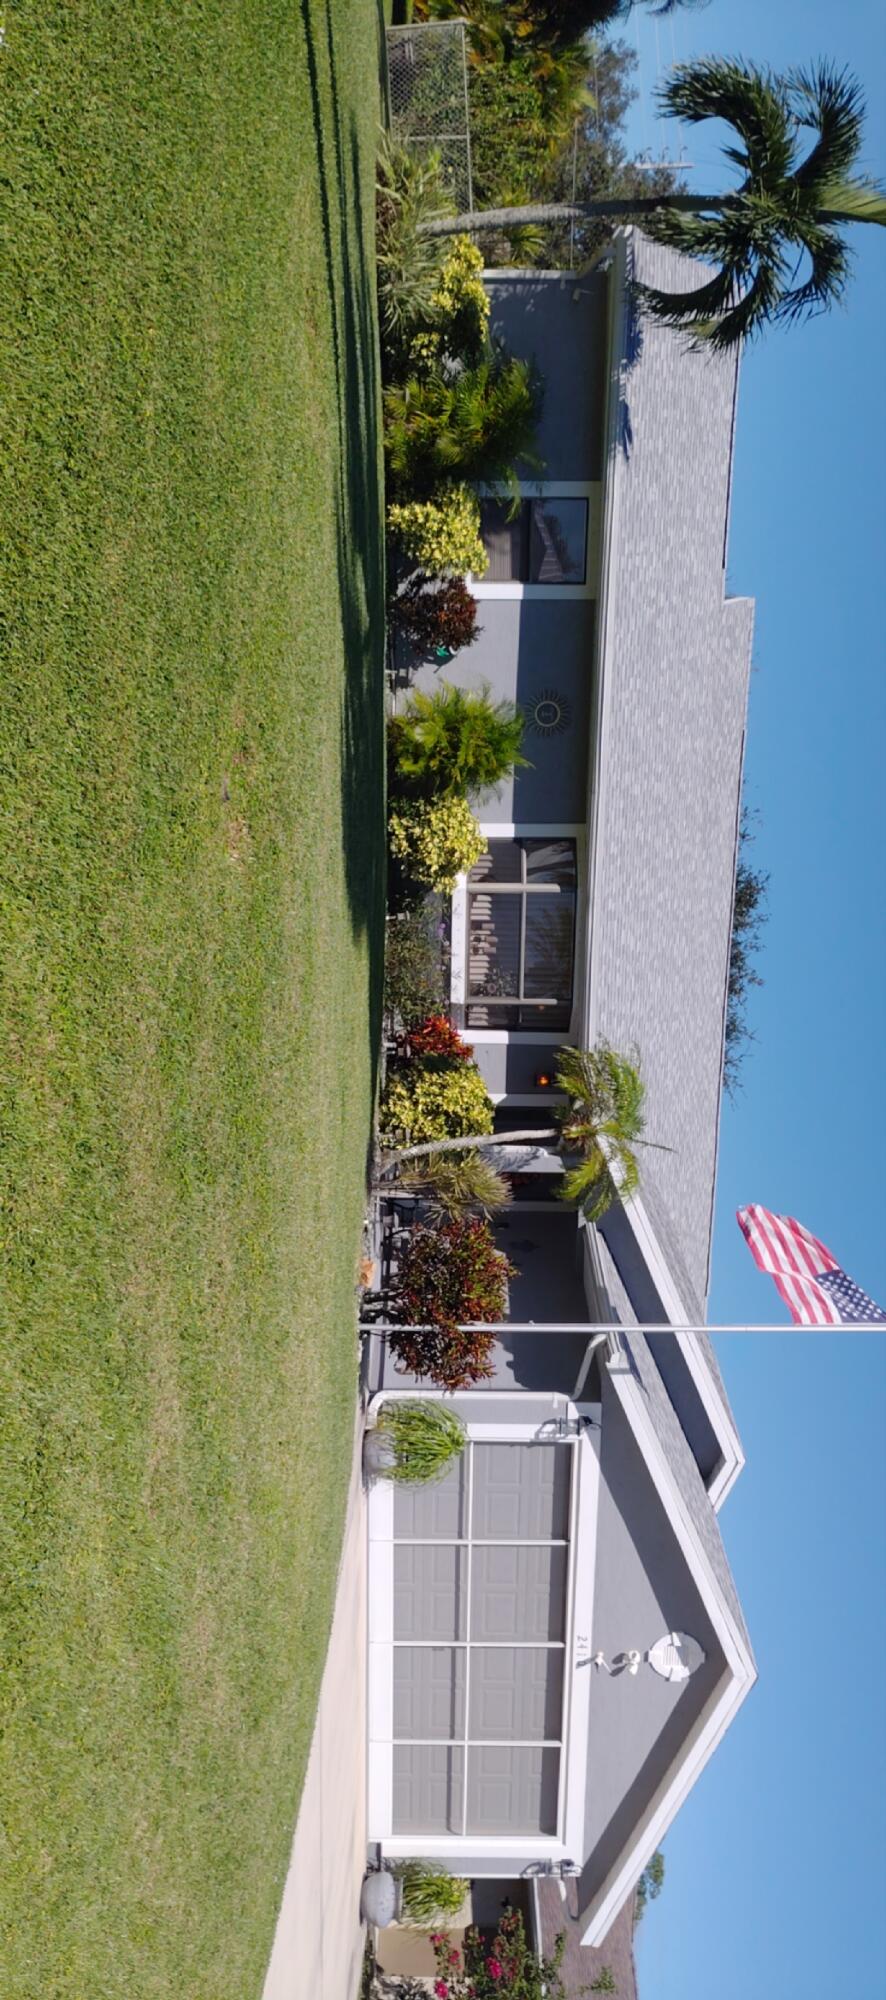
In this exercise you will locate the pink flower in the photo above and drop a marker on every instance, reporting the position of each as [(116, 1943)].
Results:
[(494, 1968), (441, 1989), (453, 1958)]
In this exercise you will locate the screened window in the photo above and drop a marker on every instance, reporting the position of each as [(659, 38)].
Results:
[(521, 935), (544, 542)]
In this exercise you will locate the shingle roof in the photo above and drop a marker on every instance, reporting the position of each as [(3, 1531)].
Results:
[(675, 655)]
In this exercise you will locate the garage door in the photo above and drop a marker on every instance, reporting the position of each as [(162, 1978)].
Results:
[(481, 1566)]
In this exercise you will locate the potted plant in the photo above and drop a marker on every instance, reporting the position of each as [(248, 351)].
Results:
[(413, 1440), (430, 1895)]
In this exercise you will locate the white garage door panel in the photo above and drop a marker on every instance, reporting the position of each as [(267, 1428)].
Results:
[(513, 1787), (518, 1593), (516, 1692), (429, 1592), (436, 1512), (521, 1493), (429, 1692), (428, 1789)]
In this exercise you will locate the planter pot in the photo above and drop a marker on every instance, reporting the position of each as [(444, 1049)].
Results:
[(378, 1453), (381, 1898)]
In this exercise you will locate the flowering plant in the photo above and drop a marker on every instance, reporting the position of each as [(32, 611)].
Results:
[(422, 1102), (446, 1276), (442, 534), (437, 1037), (508, 1969), (436, 839)]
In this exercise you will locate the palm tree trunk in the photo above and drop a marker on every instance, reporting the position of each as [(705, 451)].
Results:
[(396, 1160), (615, 209)]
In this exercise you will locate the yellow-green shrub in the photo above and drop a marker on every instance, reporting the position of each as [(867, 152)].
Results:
[(421, 1102), (459, 310), (436, 840), (442, 534)]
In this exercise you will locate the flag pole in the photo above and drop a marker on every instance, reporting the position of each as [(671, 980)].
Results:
[(590, 1327)]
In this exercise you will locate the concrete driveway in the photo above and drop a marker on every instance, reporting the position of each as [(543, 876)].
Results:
[(318, 1943)]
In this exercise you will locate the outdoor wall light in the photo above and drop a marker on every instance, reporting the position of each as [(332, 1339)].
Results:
[(543, 1080)]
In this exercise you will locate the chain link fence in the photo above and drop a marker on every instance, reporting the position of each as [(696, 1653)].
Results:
[(428, 97)]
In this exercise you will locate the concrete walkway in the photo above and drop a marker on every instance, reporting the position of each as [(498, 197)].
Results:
[(318, 1943)]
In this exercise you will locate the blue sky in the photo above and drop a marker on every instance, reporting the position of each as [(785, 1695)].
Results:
[(776, 1866)]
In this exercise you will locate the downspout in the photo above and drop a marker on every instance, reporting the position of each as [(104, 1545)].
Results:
[(597, 1340)]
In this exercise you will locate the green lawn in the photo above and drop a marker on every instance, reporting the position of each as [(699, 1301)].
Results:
[(191, 886)]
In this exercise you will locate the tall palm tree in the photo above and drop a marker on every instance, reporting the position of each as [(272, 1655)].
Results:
[(601, 1124), (789, 206)]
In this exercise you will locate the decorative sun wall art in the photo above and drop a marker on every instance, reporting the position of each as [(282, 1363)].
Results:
[(548, 713)]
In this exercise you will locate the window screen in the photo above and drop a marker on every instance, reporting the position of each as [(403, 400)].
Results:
[(521, 934)]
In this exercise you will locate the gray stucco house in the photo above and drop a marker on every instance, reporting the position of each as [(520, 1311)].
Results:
[(584, 1517)]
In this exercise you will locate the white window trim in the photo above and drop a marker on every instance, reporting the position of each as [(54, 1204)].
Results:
[(578, 1646), (590, 490)]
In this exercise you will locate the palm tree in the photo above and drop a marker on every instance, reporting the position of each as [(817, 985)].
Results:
[(787, 207), (601, 1125)]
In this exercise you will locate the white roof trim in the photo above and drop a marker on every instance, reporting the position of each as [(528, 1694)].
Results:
[(742, 1671), (679, 1315), (601, 693)]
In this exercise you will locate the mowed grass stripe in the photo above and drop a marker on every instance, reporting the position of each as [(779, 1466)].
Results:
[(191, 909)]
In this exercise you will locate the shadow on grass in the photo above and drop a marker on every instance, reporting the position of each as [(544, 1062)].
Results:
[(350, 281)]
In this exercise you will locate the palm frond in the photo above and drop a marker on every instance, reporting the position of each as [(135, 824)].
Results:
[(831, 103), (829, 270), (602, 1087), (752, 100), (734, 304), (458, 1183), (852, 201), (590, 1186)]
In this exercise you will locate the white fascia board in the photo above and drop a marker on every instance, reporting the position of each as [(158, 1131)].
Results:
[(601, 697), (734, 1644), (678, 1315), (741, 1670), (627, 1871)]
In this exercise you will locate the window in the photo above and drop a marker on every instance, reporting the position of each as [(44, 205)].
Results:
[(481, 1565), (545, 541), (521, 935)]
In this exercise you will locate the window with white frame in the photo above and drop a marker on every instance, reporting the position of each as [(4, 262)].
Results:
[(521, 935), (544, 542)]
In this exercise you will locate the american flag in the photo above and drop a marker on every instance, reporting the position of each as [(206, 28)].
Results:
[(815, 1290)]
